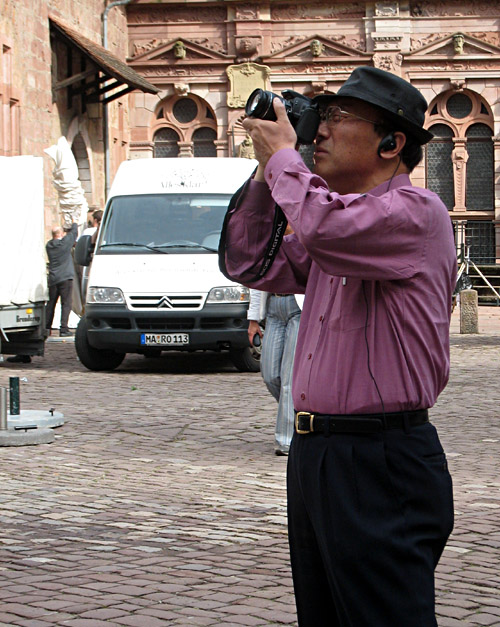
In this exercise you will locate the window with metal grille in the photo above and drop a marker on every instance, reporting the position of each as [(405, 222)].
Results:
[(185, 110), (480, 239), (459, 106), (203, 142), (165, 143), (480, 168), (439, 164)]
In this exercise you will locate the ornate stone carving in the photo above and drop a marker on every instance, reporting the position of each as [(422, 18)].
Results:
[(490, 38), (246, 149), (140, 47), (316, 48), (415, 44), (211, 45), (458, 43), (181, 89), (247, 48), (243, 79), (179, 50), (434, 8), (246, 12), (387, 42), (352, 42), (180, 14), (386, 9), (388, 62), (317, 11)]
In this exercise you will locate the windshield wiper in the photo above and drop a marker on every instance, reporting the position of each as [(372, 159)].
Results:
[(153, 248), (186, 245)]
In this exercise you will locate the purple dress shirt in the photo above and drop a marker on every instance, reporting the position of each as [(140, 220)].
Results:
[(378, 271)]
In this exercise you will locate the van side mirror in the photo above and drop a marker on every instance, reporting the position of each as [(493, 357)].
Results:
[(83, 250)]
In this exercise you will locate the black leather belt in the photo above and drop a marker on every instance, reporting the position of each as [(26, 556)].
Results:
[(306, 422)]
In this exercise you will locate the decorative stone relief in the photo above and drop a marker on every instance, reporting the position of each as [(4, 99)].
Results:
[(386, 9), (181, 89), (458, 43), (246, 149), (388, 62), (316, 48), (434, 8), (181, 14), (246, 12), (387, 42), (292, 12), (216, 46), (247, 48), (243, 79), (351, 42), (179, 50)]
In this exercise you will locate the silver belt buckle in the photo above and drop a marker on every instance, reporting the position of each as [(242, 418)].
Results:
[(311, 422)]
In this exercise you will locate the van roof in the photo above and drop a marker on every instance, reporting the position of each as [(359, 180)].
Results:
[(204, 175)]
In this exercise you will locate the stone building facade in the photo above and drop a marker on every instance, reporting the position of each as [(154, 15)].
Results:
[(206, 58), (54, 75), (193, 64)]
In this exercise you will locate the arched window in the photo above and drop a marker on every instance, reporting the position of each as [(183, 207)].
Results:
[(480, 169), (166, 143), (203, 142), (439, 164), (184, 126), (460, 168)]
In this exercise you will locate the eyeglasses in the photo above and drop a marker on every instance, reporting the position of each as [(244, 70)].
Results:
[(334, 114)]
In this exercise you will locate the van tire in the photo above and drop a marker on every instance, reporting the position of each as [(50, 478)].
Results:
[(94, 358), (246, 359)]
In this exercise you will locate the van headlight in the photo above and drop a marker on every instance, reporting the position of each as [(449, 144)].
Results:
[(105, 295), (230, 294)]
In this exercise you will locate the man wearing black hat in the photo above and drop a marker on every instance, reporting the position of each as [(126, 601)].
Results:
[(370, 503)]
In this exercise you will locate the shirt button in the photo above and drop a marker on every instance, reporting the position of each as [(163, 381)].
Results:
[(321, 318), (331, 280), (303, 396), (309, 356)]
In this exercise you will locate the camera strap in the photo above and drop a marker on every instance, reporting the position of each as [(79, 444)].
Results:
[(273, 245)]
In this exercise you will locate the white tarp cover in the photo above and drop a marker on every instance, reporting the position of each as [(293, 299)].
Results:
[(23, 273), (72, 202)]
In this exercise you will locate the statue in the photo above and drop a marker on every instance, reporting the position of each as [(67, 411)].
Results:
[(316, 47), (179, 50), (458, 43), (245, 149)]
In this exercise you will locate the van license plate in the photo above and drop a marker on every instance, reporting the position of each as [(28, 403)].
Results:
[(164, 339)]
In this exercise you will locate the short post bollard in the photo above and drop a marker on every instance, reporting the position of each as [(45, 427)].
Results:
[(469, 312), (3, 409), (15, 404)]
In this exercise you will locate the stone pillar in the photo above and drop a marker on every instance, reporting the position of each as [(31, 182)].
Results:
[(469, 318)]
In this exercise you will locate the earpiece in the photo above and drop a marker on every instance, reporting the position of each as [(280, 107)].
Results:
[(387, 143)]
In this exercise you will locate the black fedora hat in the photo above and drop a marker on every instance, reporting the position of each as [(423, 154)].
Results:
[(401, 102)]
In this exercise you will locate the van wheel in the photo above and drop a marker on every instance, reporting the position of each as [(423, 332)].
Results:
[(94, 358), (246, 359)]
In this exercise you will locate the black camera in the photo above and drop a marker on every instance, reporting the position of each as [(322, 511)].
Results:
[(301, 111)]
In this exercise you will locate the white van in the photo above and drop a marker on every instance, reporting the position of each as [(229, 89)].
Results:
[(154, 283)]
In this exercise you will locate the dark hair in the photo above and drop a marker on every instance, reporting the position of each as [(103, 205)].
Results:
[(97, 215)]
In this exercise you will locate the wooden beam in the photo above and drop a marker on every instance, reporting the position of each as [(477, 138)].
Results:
[(75, 78)]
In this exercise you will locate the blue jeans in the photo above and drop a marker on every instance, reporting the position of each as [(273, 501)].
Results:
[(278, 351)]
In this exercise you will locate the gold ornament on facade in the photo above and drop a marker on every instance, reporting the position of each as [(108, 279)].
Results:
[(246, 149), (243, 79)]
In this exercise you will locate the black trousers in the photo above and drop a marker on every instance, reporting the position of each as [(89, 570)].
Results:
[(368, 516), (64, 290)]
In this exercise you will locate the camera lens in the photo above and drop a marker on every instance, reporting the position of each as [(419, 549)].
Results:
[(260, 105)]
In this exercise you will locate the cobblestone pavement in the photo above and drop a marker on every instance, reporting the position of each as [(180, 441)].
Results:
[(161, 501)]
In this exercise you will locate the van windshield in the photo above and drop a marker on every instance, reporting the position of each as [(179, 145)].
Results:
[(156, 223)]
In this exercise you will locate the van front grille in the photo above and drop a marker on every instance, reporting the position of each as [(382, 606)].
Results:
[(166, 302)]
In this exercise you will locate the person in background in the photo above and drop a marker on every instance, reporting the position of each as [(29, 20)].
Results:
[(370, 501), (61, 274), (282, 316)]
